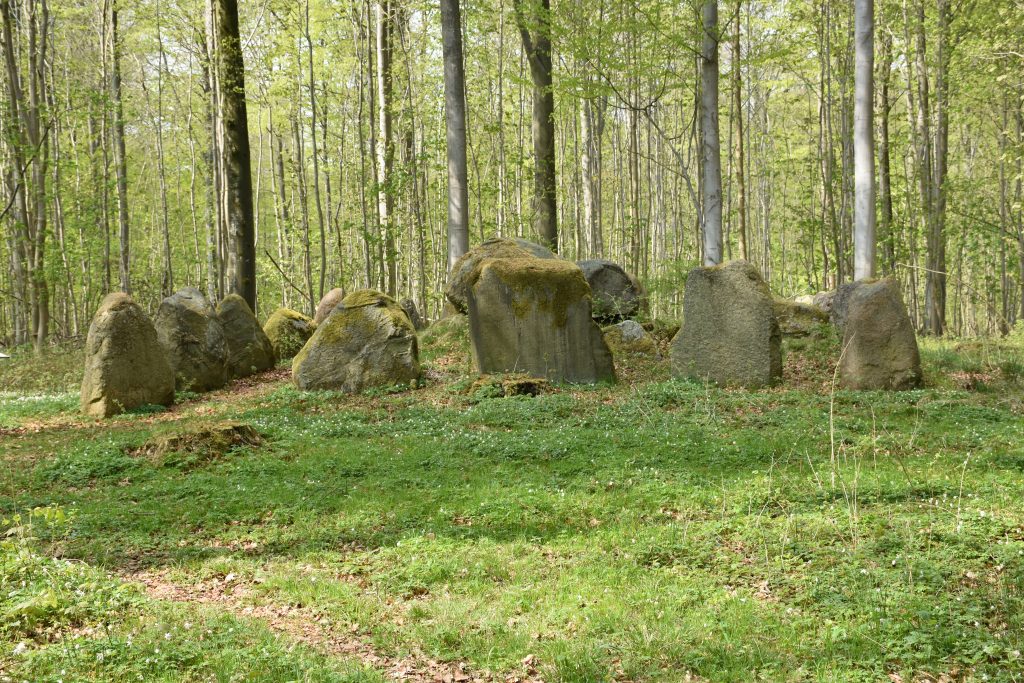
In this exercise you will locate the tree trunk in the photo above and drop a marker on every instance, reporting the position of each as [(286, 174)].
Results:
[(385, 142), (864, 141), (535, 28), (232, 115), (884, 165), (455, 122), (120, 162), (712, 208)]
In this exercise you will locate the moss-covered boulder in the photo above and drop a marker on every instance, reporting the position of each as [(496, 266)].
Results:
[(249, 348), (467, 269), (615, 294), (188, 327), (368, 341), (327, 304), (629, 338), (729, 335), (533, 316), (288, 332), (879, 346), (125, 365), (797, 319)]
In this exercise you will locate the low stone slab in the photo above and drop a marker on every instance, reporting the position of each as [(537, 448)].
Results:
[(288, 332), (879, 345), (629, 338), (189, 329), (797, 319), (533, 316), (368, 341), (249, 347), (730, 335), (125, 365), (467, 269)]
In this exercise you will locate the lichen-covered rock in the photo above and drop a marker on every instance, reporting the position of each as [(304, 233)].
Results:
[(879, 345), (368, 341), (729, 335), (533, 316), (467, 269), (327, 304), (125, 365), (288, 332), (188, 327), (615, 294), (629, 338), (249, 348), (798, 319), (409, 306)]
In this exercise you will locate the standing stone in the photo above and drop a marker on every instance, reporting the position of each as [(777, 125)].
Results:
[(840, 304), (288, 332), (125, 365), (823, 300), (367, 342), (249, 348), (729, 334), (879, 346), (533, 316), (327, 304), (467, 269), (616, 295), (188, 327)]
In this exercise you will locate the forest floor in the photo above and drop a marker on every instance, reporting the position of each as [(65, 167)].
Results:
[(655, 530)]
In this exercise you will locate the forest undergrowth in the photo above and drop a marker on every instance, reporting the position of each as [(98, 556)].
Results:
[(655, 530)]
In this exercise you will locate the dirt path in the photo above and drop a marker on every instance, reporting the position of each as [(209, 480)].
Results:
[(303, 625)]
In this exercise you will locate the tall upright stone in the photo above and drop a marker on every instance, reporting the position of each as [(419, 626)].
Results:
[(729, 335), (467, 269), (879, 346), (249, 348), (368, 341), (533, 315), (188, 327), (125, 365)]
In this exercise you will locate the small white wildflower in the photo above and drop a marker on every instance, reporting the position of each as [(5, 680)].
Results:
[(167, 636), (187, 625), (20, 649)]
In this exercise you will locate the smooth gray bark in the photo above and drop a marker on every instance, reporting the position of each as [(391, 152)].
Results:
[(864, 240), (455, 120), (712, 209)]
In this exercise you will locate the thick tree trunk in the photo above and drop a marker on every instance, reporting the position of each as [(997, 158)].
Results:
[(535, 28), (236, 190), (741, 176), (864, 141), (455, 122), (887, 239), (385, 142), (712, 209)]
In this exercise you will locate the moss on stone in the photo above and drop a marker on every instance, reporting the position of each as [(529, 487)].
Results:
[(552, 284), (288, 331)]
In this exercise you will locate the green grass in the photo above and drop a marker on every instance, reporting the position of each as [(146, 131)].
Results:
[(636, 532)]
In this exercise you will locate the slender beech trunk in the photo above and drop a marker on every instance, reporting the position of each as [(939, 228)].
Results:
[(385, 141), (712, 209), (863, 140), (455, 124), (120, 162), (741, 176)]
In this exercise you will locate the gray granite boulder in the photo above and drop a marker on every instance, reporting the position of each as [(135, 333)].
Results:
[(879, 346), (467, 269), (249, 347), (125, 364), (189, 329), (615, 294), (729, 335), (368, 341)]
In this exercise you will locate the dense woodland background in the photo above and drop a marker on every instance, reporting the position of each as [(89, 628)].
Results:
[(87, 84)]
